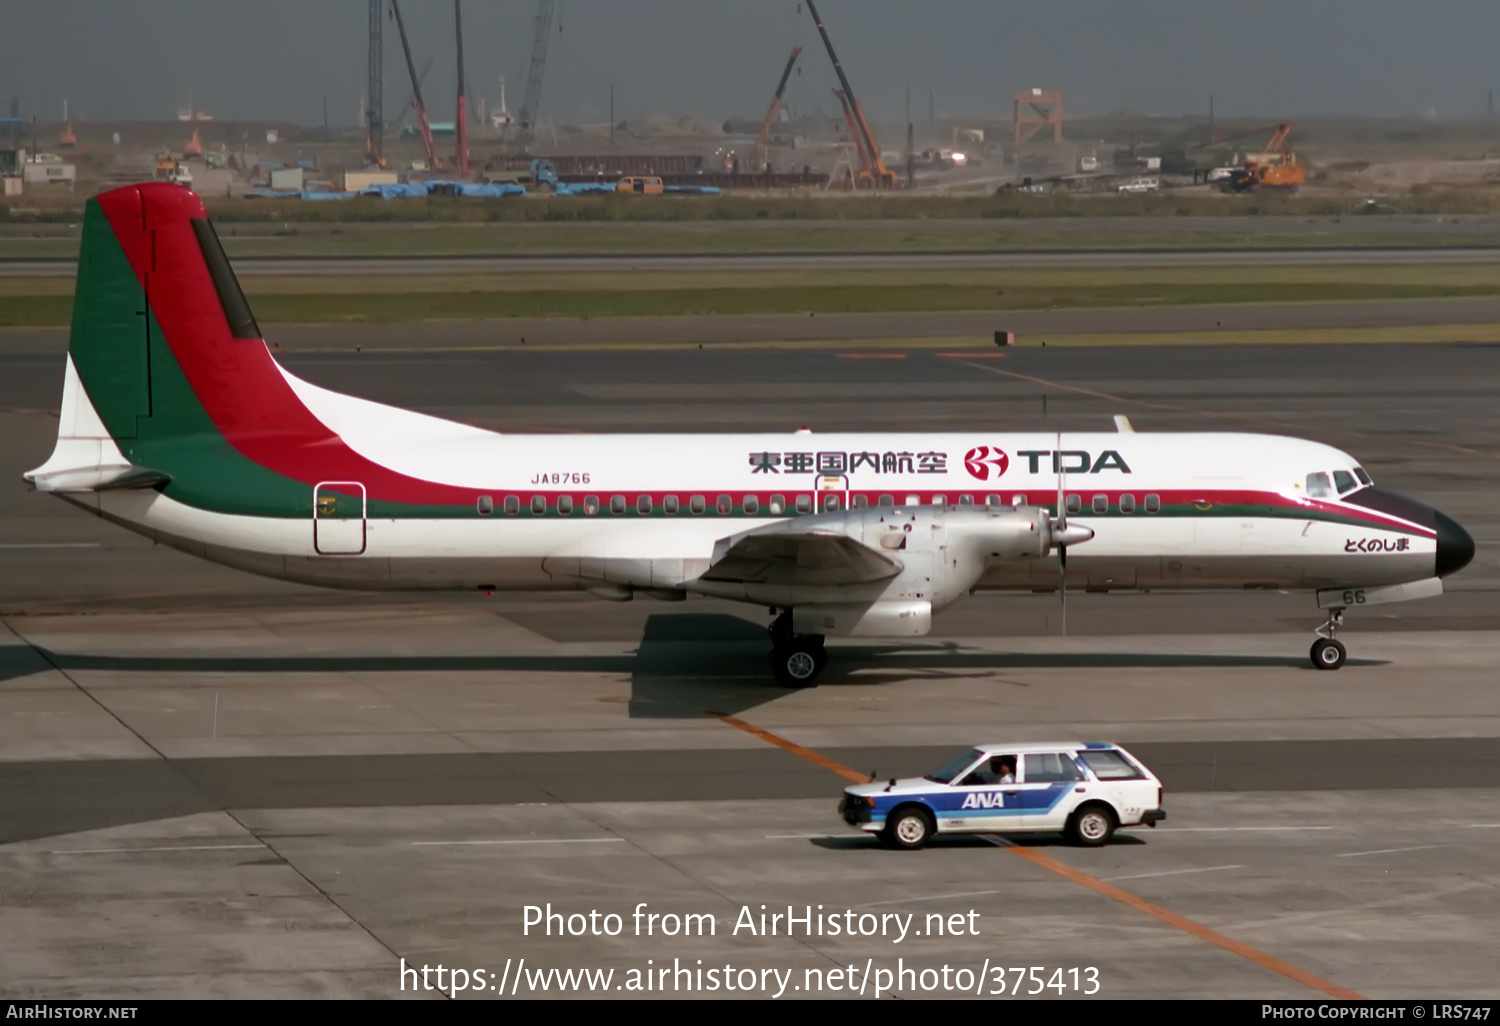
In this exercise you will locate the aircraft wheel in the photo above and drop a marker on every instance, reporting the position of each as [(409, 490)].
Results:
[(1328, 654), (798, 663)]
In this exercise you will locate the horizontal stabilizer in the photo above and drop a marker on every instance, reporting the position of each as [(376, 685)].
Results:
[(98, 479)]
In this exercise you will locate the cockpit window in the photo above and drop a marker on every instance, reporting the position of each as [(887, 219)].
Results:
[(1364, 478), (1344, 481), (1318, 486)]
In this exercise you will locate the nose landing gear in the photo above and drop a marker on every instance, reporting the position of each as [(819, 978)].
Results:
[(796, 659), (1328, 652)]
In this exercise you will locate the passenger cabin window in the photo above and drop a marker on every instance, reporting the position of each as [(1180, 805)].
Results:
[(538, 504), (1110, 765), (914, 500), (1018, 501), (751, 504), (724, 504), (861, 501), (697, 504), (669, 504), (940, 500), (1127, 503), (887, 500), (1364, 478), (1101, 504), (1051, 768), (778, 505), (966, 500), (565, 504), (617, 504), (1153, 503), (591, 504), (1074, 504), (486, 505), (804, 504), (1344, 481), (643, 504), (512, 505), (1318, 486), (992, 501), (830, 502)]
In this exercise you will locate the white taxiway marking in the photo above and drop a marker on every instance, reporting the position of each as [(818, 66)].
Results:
[(189, 847), (527, 840), (1388, 851), (50, 545), (1204, 830), (1484, 826), (927, 897), (1169, 872), (808, 837)]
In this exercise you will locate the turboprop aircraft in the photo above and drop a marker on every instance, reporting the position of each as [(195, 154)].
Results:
[(178, 423)]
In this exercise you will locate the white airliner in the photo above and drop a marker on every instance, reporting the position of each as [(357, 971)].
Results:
[(177, 423)]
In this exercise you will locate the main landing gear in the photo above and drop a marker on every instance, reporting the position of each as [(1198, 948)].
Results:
[(1328, 652), (796, 659)]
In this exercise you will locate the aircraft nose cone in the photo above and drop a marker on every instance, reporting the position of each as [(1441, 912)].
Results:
[(1455, 546)]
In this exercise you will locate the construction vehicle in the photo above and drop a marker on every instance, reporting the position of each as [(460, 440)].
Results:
[(424, 126), (641, 185), (165, 164), (758, 155), (542, 176), (1275, 167), (874, 173)]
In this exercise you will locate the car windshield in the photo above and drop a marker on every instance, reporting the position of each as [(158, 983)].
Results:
[(955, 767)]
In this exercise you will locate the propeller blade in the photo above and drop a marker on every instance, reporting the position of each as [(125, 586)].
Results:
[(1061, 529), (1062, 585)]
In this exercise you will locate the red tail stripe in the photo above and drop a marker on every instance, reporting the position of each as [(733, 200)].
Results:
[(238, 381)]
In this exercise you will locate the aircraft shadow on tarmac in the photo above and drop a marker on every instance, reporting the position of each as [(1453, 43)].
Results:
[(688, 665)]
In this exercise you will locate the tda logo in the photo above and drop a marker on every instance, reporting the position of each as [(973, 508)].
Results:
[(984, 462)]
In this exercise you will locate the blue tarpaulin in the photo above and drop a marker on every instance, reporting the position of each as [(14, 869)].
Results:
[(583, 188), (409, 190)]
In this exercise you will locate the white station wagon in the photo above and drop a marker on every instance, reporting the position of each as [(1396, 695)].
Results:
[(1084, 789)]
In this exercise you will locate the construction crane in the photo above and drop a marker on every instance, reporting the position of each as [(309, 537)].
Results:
[(1274, 167), (461, 122), (541, 36), (424, 126), (859, 147), (758, 152), (877, 174)]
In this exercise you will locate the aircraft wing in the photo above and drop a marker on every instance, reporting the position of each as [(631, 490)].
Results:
[(786, 555)]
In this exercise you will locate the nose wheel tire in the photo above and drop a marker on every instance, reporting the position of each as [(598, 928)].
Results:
[(908, 828), (797, 663), (1328, 654)]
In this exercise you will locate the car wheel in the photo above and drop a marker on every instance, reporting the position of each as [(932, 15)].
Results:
[(908, 828), (1092, 826)]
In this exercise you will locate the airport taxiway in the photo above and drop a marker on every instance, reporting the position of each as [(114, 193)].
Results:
[(212, 784)]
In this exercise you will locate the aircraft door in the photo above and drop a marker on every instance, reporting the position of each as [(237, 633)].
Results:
[(339, 509), (833, 493)]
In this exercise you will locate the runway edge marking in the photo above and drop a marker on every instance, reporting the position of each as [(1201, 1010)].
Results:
[(1078, 876)]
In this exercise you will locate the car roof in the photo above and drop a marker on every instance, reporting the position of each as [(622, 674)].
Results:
[(1030, 747)]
